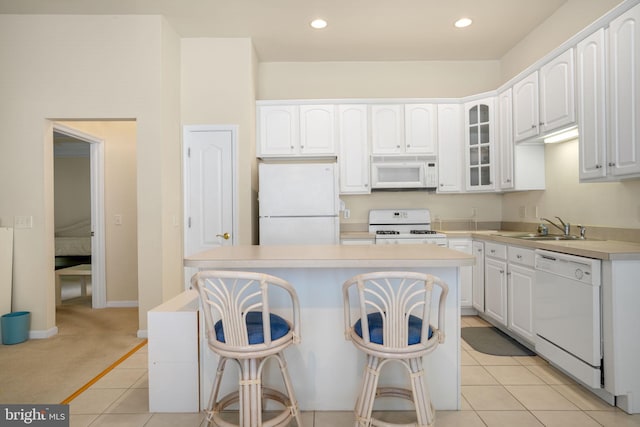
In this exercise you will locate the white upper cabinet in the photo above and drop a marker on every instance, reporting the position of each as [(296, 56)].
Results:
[(387, 129), (608, 89), (526, 120), (450, 148), (479, 138), (420, 127), (317, 129), (354, 149), (505, 140), (403, 129), (278, 130), (296, 130), (590, 89), (624, 99), (544, 101), (557, 93), (520, 166)]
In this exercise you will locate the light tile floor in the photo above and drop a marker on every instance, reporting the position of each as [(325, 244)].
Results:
[(496, 392)]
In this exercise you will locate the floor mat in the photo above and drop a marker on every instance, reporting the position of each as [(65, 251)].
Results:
[(490, 340)]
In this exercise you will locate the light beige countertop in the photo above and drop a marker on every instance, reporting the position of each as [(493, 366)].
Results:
[(591, 248), (329, 256)]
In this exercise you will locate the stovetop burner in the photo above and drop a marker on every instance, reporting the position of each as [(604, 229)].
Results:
[(423, 232), (387, 232)]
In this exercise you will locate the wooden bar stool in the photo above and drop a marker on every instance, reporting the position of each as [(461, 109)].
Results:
[(390, 320), (241, 326)]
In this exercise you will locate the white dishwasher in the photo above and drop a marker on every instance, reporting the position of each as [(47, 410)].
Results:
[(567, 314)]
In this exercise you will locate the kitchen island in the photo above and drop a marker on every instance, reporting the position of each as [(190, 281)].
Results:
[(325, 368)]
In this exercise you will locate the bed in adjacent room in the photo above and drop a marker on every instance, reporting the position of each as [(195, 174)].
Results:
[(73, 244)]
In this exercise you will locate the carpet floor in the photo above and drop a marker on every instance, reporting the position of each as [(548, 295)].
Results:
[(49, 370)]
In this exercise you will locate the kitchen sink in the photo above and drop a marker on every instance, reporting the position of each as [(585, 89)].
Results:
[(542, 237), (550, 237)]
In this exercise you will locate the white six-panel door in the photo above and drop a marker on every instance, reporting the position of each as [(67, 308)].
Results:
[(209, 188)]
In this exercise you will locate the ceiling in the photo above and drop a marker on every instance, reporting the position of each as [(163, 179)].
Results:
[(358, 30)]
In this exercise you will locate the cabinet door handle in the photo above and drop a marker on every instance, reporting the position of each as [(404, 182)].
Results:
[(612, 164)]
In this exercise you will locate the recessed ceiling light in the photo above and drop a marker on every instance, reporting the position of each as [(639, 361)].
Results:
[(463, 22), (318, 24)]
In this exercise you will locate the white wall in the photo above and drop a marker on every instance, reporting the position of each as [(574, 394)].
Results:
[(569, 19), (89, 67), (613, 204), (410, 79), (72, 188), (218, 87)]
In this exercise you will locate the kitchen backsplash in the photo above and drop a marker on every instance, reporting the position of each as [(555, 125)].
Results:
[(603, 233)]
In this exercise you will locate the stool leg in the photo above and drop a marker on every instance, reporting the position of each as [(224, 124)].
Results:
[(250, 394), (215, 389), (364, 403), (289, 387), (421, 397)]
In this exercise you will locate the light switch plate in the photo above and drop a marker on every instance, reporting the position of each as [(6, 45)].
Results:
[(23, 221)]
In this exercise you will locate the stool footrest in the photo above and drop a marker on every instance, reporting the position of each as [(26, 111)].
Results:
[(282, 418), (402, 393)]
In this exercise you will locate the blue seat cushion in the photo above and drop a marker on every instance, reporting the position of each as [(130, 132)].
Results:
[(279, 328), (375, 329)]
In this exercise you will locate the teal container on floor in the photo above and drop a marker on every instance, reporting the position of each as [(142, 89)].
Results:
[(15, 327)]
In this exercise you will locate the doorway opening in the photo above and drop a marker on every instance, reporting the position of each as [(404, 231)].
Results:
[(78, 211), (112, 215)]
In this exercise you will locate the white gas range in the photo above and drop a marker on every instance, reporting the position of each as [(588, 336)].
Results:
[(402, 226)]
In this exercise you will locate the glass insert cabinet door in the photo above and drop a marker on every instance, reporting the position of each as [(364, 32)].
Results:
[(479, 136)]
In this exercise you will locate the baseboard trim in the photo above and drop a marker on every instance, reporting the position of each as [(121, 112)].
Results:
[(43, 334), (122, 304), (143, 333)]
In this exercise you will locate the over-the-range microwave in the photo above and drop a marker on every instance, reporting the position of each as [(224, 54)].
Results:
[(403, 173)]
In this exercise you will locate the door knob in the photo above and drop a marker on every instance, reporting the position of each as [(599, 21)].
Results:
[(225, 236)]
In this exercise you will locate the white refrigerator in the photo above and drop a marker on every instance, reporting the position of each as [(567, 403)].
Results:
[(298, 204)]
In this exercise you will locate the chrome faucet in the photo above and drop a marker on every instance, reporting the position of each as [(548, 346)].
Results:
[(565, 227)]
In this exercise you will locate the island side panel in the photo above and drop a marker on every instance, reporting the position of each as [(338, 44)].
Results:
[(325, 368)]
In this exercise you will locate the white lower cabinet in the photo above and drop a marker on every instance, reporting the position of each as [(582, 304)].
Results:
[(466, 273), (495, 282), (477, 295), (520, 285)]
